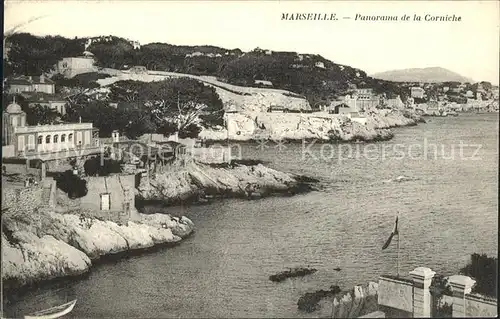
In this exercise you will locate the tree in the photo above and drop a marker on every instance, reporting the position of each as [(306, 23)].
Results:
[(134, 121), (128, 118), (184, 103), (41, 114), (484, 270)]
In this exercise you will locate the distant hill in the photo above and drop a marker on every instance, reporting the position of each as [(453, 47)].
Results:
[(311, 75), (429, 75)]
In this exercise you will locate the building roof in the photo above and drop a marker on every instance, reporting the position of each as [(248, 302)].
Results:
[(42, 97), (14, 108), (342, 105), (30, 79)]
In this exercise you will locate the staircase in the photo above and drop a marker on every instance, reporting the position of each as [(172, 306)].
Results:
[(48, 189)]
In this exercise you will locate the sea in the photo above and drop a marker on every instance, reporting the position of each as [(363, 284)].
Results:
[(441, 177)]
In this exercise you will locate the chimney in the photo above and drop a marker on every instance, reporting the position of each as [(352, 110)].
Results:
[(79, 119), (42, 78)]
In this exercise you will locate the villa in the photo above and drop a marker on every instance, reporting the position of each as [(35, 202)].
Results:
[(20, 140)]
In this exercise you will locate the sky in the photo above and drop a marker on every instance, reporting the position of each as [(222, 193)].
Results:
[(469, 47)]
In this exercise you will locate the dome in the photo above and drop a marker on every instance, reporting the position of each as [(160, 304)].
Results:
[(14, 108)]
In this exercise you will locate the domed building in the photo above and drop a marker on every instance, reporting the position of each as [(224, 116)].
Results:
[(22, 140), (13, 116)]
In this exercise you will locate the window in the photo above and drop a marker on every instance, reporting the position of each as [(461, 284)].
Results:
[(56, 138), (105, 201), (31, 142), (63, 138), (47, 139), (70, 138), (40, 139)]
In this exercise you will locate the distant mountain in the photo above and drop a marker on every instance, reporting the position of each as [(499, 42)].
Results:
[(429, 75)]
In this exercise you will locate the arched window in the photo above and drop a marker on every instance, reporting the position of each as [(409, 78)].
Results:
[(40, 140), (47, 139), (63, 138), (56, 138), (70, 137)]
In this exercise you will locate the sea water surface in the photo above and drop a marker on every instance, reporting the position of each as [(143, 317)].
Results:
[(447, 205)]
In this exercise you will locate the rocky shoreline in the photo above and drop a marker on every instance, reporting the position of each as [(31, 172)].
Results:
[(374, 125), (200, 183), (335, 303), (41, 245)]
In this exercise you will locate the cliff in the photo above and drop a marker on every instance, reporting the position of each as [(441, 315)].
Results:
[(321, 126), (39, 244), (195, 181)]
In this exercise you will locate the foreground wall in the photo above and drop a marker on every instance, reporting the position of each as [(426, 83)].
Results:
[(399, 297)]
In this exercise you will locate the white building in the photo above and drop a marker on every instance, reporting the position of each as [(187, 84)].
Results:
[(71, 66), (44, 138), (417, 92), (319, 65)]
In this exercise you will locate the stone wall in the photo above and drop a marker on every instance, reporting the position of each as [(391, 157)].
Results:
[(121, 190), (480, 306), (25, 199), (8, 151), (398, 297), (396, 293)]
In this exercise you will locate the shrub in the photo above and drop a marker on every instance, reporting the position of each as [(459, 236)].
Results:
[(484, 270), (72, 184)]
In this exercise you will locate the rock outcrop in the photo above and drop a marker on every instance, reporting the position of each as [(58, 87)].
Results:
[(321, 126), (195, 181), (39, 244), (354, 303)]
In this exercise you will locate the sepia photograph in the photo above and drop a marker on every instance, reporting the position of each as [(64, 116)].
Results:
[(250, 159)]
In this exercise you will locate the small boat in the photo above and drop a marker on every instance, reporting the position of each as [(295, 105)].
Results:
[(53, 312)]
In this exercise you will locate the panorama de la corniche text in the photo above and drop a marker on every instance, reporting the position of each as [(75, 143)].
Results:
[(426, 17)]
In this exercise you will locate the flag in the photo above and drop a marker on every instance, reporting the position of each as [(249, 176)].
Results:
[(394, 232)]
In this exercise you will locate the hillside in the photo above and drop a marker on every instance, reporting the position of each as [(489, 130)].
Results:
[(427, 75), (318, 79)]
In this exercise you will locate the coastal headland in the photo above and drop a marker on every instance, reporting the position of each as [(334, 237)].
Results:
[(43, 241)]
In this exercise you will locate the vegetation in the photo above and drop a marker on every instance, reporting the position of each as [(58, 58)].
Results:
[(481, 267), (484, 270), (35, 114), (306, 75), (71, 184), (100, 166), (84, 80), (440, 288), (33, 55), (165, 107), (309, 301), (286, 70)]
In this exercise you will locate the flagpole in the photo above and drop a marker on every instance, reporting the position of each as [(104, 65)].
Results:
[(398, 257)]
